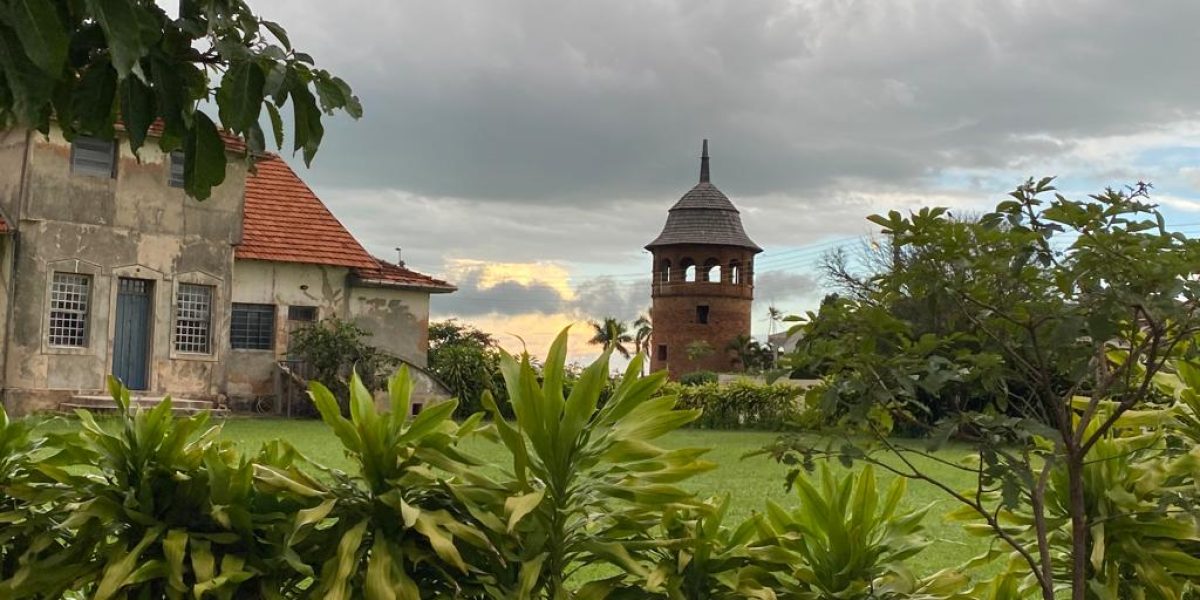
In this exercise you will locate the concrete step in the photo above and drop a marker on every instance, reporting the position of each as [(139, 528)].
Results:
[(102, 404)]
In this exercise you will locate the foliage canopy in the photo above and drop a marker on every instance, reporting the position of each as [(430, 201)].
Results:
[(88, 65)]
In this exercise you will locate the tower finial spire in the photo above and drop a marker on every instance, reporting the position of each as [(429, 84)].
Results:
[(704, 163)]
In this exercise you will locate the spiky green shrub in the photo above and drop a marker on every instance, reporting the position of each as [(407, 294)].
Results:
[(37, 557), (847, 541), (166, 510), (1139, 483), (588, 485), (703, 559), (391, 528)]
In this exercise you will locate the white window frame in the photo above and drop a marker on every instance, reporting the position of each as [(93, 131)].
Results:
[(67, 301), (197, 318)]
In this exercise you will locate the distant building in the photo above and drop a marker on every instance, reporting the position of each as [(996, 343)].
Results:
[(703, 281), (106, 266)]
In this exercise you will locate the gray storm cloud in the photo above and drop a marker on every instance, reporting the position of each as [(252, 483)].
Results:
[(584, 103), (527, 130)]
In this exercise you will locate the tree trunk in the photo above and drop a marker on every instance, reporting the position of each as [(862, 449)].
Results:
[(1039, 519), (1079, 525)]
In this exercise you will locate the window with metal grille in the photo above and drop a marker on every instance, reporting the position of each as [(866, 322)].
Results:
[(175, 169), (302, 313), (252, 326), (193, 318), (93, 156), (69, 295)]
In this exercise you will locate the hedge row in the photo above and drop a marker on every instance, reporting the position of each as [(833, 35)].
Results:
[(742, 404)]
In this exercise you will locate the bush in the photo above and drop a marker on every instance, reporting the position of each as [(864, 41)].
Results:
[(153, 506), (742, 404), (698, 378), (467, 360), (333, 349)]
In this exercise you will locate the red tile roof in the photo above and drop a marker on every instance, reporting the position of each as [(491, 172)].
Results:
[(386, 274), (286, 222)]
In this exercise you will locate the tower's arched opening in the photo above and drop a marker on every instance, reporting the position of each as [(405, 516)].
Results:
[(689, 269)]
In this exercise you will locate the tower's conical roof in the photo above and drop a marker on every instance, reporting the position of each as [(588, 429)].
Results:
[(704, 215)]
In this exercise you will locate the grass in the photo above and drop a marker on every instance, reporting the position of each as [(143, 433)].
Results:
[(751, 481)]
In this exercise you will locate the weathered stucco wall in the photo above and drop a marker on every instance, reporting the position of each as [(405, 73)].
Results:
[(250, 372), (399, 320), (12, 162), (425, 391), (132, 225)]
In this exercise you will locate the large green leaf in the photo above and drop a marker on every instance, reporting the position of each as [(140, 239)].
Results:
[(138, 109), (240, 97), (94, 99), (41, 32), (127, 28), (204, 157), (307, 127), (30, 88)]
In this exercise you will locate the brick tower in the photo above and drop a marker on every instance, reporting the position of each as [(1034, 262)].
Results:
[(703, 280)]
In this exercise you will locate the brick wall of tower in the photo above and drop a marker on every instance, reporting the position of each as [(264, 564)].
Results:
[(728, 297)]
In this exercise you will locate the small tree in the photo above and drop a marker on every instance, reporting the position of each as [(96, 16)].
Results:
[(1064, 314), (467, 360), (698, 349), (334, 349)]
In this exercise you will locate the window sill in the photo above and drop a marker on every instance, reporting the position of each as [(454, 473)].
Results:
[(67, 350), (193, 356)]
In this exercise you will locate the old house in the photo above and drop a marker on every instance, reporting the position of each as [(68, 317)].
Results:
[(296, 263), (106, 266)]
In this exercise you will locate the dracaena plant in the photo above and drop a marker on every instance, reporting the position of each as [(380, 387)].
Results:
[(847, 541), (37, 557), (1139, 481), (589, 486), (701, 558), (167, 510), (391, 528)]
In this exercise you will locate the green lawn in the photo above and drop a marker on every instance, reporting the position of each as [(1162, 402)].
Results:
[(750, 481)]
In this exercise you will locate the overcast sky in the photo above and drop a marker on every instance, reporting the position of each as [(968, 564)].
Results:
[(528, 149)]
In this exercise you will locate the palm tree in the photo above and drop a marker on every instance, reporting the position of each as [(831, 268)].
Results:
[(642, 331), (747, 350), (776, 316), (613, 334)]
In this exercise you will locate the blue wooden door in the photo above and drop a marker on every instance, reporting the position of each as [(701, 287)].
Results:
[(131, 336)]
